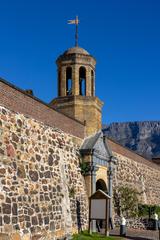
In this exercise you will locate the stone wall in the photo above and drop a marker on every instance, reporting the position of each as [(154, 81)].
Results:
[(135, 171), (136, 223), (144, 177), (42, 192)]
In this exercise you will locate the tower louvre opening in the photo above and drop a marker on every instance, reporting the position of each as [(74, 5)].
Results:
[(69, 81), (82, 81)]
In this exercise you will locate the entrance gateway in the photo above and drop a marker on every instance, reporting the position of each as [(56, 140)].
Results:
[(100, 163)]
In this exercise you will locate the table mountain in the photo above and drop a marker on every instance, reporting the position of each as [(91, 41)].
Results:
[(141, 137)]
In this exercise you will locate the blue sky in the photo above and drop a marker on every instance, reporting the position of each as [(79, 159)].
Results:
[(124, 37)]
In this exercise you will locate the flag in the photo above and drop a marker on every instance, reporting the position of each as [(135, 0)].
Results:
[(71, 21), (75, 21)]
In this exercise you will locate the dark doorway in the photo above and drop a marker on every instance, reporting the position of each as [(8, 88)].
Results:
[(100, 184)]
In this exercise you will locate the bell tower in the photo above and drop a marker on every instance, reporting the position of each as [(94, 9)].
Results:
[(76, 88), (76, 71)]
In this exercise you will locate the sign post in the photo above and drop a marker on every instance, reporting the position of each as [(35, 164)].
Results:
[(159, 228), (98, 209)]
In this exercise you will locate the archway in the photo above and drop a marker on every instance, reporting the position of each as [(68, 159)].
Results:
[(82, 81), (69, 81), (100, 184)]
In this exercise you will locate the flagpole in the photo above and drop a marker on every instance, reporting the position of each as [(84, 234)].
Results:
[(76, 37), (76, 22)]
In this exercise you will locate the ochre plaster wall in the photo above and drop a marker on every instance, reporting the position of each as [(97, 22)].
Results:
[(102, 174)]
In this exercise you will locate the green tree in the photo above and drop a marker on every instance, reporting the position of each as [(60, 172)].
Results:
[(125, 201), (146, 210)]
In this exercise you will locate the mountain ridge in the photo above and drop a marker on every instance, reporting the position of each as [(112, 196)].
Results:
[(143, 137)]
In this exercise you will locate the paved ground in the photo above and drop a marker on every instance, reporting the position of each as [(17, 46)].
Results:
[(138, 234)]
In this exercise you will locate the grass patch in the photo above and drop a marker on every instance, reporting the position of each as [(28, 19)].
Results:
[(86, 236)]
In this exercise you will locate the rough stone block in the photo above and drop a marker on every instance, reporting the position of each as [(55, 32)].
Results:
[(14, 209), (6, 208), (21, 171), (6, 219), (34, 220), (15, 236), (33, 175), (4, 236)]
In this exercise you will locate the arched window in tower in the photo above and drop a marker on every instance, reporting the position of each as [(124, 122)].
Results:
[(92, 82), (82, 81), (69, 81)]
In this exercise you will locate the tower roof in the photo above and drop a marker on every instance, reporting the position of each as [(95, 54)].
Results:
[(77, 50)]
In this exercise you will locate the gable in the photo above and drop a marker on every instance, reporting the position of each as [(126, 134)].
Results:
[(97, 146)]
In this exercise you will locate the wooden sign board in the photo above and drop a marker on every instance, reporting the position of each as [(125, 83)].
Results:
[(98, 209)]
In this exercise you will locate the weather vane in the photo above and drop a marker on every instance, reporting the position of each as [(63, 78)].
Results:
[(76, 22)]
